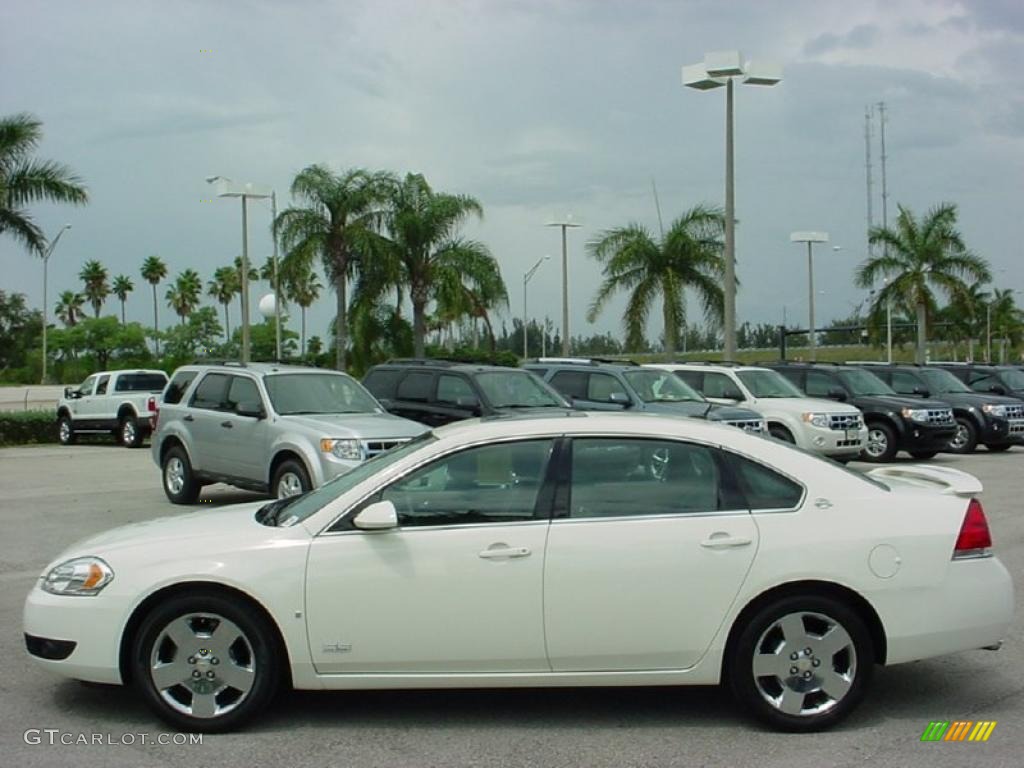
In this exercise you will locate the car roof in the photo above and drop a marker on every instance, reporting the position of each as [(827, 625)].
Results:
[(699, 365), (129, 370), (579, 362), (432, 364), (258, 368)]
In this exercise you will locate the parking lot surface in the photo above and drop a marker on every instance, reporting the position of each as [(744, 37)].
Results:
[(52, 496)]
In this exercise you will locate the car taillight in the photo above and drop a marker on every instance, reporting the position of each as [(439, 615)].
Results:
[(974, 539), (154, 412)]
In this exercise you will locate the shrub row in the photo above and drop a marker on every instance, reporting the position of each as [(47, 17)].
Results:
[(28, 427)]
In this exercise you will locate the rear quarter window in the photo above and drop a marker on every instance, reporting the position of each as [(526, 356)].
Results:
[(765, 488)]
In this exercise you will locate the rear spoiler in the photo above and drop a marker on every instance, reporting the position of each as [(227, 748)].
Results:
[(952, 482)]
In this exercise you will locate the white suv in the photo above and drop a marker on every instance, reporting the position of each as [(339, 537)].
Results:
[(823, 426)]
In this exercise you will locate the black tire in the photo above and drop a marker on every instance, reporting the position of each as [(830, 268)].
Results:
[(66, 431), (845, 671), (781, 433), (292, 473), (885, 438), (999, 448), (249, 657), (966, 439), (187, 490), (924, 455), (129, 434)]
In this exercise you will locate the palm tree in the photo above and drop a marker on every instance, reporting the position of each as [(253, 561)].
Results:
[(434, 262), (223, 287), (183, 296), (153, 271), (1005, 319), (69, 307), (336, 221), (123, 285), (303, 288), (918, 257), (689, 255), (24, 180), (97, 285), (966, 311)]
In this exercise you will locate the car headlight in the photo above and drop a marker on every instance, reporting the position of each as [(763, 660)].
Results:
[(915, 414), (999, 411), (84, 576), (817, 419), (342, 448)]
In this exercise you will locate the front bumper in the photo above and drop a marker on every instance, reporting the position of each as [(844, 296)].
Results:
[(93, 624), (925, 437), (997, 431), (837, 443)]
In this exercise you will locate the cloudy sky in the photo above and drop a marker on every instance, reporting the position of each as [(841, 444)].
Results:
[(537, 108)]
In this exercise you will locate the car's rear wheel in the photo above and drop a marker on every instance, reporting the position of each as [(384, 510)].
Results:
[(180, 485), (780, 433), (999, 448), (801, 663), (881, 444), (205, 663), (65, 431), (129, 432), (965, 440), (290, 479)]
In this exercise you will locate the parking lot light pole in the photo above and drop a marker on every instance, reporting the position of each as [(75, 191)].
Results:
[(46, 261), (718, 69), (565, 224), (227, 188), (810, 238), (526, 280)]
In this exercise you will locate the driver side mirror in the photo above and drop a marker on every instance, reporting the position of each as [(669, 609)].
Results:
[(732, 394), (619, 398), (997, 389), (469, 403), (251, 408), (379, 516), (922, 392), (837, 394)]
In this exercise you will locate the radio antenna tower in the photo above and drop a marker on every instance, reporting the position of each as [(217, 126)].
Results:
[(869, 172), (885, 189)]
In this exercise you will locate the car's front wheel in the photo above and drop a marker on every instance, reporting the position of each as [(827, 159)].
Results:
[(180, 484), (65, 431), (204, 662), (290, 479), (965, 439), (801, 663), (781, 433), (881, 444)]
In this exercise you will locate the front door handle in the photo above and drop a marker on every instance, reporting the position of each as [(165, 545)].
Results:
[(227, 425), (498, 552), (725, 541)]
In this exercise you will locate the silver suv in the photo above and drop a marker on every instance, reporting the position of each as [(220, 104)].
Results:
[(267, 427)]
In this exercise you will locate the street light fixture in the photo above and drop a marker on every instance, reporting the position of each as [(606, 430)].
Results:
[(46, 261), (565, 224), (718, 69), (526, 280), (810, 238), (225, 187)]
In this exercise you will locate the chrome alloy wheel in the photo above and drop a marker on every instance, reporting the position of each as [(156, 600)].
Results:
[(289, 484), (128, 433), (64, 430), (961, 438), (174, 475), (878, 443), (804, 664), (202, 665)]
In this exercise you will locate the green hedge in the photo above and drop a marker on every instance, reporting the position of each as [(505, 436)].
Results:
[(24, 427)]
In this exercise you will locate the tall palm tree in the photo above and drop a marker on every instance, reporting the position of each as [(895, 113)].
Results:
[(153, 271), (97, 286), (689, 255), (25, 180), (183, 296), (434, 262), (920, 256), (336, 220), (123, 285), (966, 311), (223, 287), (69, 308), (1005, 318), (303, 288)]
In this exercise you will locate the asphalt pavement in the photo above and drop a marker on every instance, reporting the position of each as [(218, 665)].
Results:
[(51, 496)]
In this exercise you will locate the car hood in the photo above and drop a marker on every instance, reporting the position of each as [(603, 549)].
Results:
[(363, 426), (801, 405), (732, 413)]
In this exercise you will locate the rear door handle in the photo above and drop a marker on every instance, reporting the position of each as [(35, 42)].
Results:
[(227, 425), (496, 553), (188, 417), (725, 541)]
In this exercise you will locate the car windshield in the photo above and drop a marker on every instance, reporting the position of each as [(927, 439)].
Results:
[(1013, 378), (517, 389), (662, 387), (864, 383), (942, 382), (769, 384), (294, 509), (297, 393)]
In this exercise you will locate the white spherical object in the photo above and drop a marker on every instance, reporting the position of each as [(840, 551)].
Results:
[(267, 305)]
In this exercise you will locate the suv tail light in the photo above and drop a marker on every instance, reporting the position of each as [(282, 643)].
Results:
[(974, 539)]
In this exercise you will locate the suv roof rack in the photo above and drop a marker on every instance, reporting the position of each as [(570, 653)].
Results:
[(439, 361), (228, 363), (583, 361), (724, 363)]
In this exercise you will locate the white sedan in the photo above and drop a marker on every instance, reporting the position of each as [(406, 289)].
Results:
[(574, 550)]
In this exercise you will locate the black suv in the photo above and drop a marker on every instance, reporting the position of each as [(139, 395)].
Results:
[(994, 421), (593, 384), (436, 392), (895, 422), (992, 379)]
